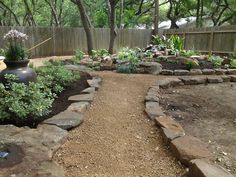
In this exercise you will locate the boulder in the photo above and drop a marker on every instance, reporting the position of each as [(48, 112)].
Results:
[(187, 148), (202, 168), (153, 110), (79, 107), (151, 67)]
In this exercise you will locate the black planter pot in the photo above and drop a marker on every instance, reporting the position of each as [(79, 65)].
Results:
[(20, 69)]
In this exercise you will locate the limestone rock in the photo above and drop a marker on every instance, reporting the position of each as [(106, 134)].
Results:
[(79, 107), (233, 78), (88, 90), (231, 71), (220, 71), (167, 72), (187, 148), (151, 67), (65, 120), (195, 72), (82, 98), (226, 78), (168, 122), (153, 110), (201, 168), (213, 79), (170, 82), (181, 72), (208, 71), (193, 80), (171, 134)]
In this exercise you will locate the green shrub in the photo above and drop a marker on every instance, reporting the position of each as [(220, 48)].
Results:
[(19, 101), (15, 52), (55, 76), (98, 54), (216, 60), (191, 64), (233, 63), (126, 68), (176, 42), (79, 55), (189, 53)]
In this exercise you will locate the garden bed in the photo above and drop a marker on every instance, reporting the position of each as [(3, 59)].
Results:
[(208, 113)]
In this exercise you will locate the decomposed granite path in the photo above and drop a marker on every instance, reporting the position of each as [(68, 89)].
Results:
[(117, 139)]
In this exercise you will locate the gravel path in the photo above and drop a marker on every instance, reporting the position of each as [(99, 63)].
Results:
[(117, 139)]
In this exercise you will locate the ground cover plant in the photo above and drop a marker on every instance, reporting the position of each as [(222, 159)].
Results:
[(22, 104)]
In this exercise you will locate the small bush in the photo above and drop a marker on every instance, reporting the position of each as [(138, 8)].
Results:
[(216, 60), (233, 63), (98, 54), (79, 55)]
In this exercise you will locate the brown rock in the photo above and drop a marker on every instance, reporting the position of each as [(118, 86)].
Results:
[(169, 82), (213, 79), (208, 71), (226, 78), (171, 134), (82, 98), (167, 72), (195, 72), (193, 80), (187, 148), (231, 71), (220, 71), (153, 110), (181, 72), (201, 168), (233, 78), (168, 122)]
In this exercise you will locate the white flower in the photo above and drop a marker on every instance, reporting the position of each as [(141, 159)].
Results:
[(15, 35)]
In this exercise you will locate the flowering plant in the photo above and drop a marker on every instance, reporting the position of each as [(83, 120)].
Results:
[(15, 50)]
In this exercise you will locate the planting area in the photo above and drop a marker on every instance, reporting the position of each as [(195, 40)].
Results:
[(207, 112)]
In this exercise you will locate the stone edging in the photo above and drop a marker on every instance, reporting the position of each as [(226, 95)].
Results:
[(192, 72), (39, 145), (189, 150)]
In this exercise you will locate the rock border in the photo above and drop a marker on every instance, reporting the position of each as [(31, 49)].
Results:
[(40, 144), (189, 150)]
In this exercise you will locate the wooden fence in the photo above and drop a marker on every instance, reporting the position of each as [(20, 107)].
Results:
[(64, 41), (211, 40)]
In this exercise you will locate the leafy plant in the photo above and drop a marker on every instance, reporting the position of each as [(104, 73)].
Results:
[(98, 54), (2, 52), (216, 60), (191, 64), (177, 42), (79, 55), (233, 63), (189, 53), (126, 68)]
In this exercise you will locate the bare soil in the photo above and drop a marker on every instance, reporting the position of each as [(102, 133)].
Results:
[(207, 112), (117, 138)]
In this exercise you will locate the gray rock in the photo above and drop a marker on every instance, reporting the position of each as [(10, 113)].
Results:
[(201, 168), (231, 71), (168, 122), (95, 82), (82, 98), (193, 80), (78, 68), (187, 148), (214, 79), (226, 78), (65, 120), (153, 110), (220, 71), (79, 107), (181, 72), (208, 71), (171, 134), (167, 72), (88, 90), (152, 97), (169, 82), (195, 72), (151, 67)]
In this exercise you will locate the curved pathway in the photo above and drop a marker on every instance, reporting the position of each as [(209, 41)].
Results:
[(117, 139)]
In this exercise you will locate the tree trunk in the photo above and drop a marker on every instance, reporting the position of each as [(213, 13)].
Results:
[(156, 18), (84, 19), (198, 13), (112, 25)]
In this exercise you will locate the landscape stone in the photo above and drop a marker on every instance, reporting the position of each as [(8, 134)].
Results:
[(195, 72), (171, 134), (86, 61), (169, 82), (79, 107), (187, 148), (214, 79), (88, 90), (201, 168), (193, 80), (168, 122), (226, 78), (152, 97), (233, 78), (208, 71), (95, 82), (151, 67), (81, 68), (167, 72), (153, 110), (181, 72), (82, 98), (65, 120), (231, 71), (220, 71)]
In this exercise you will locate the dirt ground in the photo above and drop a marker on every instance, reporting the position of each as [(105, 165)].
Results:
[(117, 138), (209, 113)]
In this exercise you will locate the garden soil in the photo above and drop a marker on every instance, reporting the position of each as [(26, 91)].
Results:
[(117, 138), (207, 112)]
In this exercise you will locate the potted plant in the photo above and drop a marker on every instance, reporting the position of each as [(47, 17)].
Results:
[(15, 58)]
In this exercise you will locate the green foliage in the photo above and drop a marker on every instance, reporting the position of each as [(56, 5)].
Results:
[(2, 52), (176, 42), (191, 64), (79, 55), (233, 63), (216, 60), (126, 68), (20, 101), (55, 76), (15, 52), (189, 53), (98, 54)]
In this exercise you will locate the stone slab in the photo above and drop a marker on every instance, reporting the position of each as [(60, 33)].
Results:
[(169, 82), (231, 71), (220, 71), (167, 72), (153, 110), (208, 71), (82, 98), (152, 96), (151, 67), (181, 72), (188, 80), (201, 168), (79, 107), (226, 78), (194, 72), (88, 90), (171, 134), (65, 120), (214, 79), (187, 148), (168, 122), (233, 78)]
